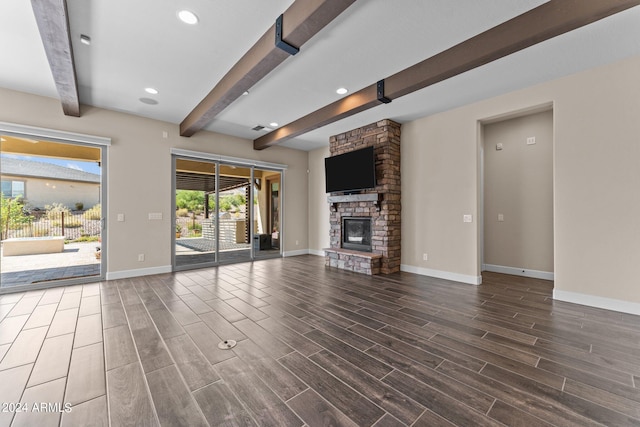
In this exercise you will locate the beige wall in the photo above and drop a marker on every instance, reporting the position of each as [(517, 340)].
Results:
[(42, 192), (139, 174), (596, 182), (518, 184), (439, 186), (318, 206)]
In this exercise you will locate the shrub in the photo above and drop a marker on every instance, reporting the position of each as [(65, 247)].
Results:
[(40, 232), (12, 215), (79, 206), (72, 223), (56, 210), (194, 227), (93, 213), (69, 222), (86, 239), (183, 212)]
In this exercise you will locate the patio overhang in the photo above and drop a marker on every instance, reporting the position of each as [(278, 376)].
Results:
[(201, 176), (36, 147)]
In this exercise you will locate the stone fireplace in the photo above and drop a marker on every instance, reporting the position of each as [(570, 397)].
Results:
[(365, 227)]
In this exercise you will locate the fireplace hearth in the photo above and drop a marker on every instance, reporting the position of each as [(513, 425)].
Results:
[(356, 233)]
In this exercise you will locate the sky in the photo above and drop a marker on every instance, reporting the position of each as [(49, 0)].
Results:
[(91, 167)]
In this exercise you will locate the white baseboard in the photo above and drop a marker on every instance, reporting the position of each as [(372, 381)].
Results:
[(316, 252), (536, 274), (596, 301), (295, 253), (456, 277), (125, 274)]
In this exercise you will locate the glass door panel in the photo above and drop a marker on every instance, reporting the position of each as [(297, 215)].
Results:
[(195, 213), (267, 207), (234, 213)]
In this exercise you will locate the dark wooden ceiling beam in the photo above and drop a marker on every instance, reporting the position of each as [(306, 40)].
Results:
[(549, 20), (53, 24), (301, 21)]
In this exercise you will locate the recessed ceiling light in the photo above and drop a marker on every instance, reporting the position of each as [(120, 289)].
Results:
[(85, 39), (148, 101), (273, 124), (151, 90), (341, 91), (188, 17)]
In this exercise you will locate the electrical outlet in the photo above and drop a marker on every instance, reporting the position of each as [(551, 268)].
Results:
[(500, 217), (120, 217), (140, 257), (296, 243), (531, 140), (425, 257), (467, 218)]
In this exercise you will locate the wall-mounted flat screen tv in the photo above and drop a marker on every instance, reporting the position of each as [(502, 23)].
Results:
[(352, 171)]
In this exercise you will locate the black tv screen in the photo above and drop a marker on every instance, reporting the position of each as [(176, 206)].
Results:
[(352, 171)]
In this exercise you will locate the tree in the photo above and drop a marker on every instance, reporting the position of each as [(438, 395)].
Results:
[(12, 215), (225, 204), (190, 199), (238, 200)]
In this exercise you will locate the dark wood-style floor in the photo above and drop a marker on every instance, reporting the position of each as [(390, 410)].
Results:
[(315, 346)]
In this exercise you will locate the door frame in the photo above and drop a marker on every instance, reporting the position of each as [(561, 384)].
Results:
[(53, 135), (480, 124), (218, 159)]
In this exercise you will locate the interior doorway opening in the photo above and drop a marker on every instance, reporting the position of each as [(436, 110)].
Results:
[(517, 194)]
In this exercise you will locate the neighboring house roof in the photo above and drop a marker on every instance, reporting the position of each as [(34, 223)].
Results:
[(29, 168)]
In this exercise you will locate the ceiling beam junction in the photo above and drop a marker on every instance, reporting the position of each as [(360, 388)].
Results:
[(53, 23), (299, 23), (542, 23)]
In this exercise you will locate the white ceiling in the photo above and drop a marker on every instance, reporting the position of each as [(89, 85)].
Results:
[(137, 44)]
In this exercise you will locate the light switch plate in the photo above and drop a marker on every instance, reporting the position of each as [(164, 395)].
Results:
[(467, 218), (155, 215)]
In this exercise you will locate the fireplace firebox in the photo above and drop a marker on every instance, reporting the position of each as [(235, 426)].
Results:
[(356, 233)]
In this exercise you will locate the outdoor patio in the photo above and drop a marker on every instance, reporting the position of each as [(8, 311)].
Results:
[(77, 260)]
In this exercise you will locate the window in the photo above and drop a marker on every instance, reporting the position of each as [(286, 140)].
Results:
[(12, 189)]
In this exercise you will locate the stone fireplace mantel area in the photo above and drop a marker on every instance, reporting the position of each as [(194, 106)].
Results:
[(380, 205)]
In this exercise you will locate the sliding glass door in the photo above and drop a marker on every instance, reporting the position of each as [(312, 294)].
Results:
[(225, 212), (52, 214)]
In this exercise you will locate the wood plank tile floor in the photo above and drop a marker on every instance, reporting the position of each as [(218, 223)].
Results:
[(315, 346)]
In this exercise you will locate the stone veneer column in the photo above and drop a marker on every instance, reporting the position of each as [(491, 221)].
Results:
[(384, 136)]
